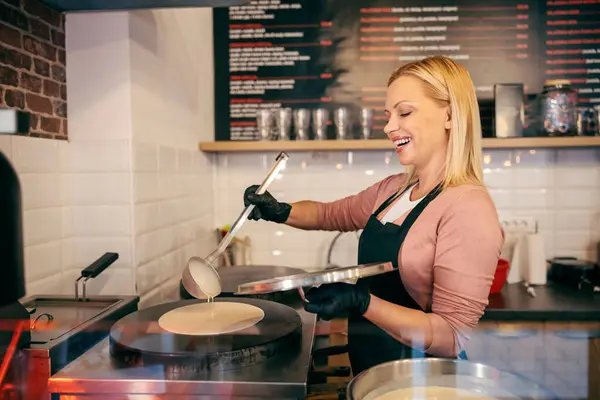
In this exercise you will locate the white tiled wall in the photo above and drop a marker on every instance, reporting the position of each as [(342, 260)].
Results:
[(171, 112), (97, 217), (72, 218), (173, 213), (130, 180), (76, 208), (560, 188), (37, 162)]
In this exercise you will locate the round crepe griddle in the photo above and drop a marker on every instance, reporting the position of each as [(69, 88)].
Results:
[(138, 340), (232, 277)]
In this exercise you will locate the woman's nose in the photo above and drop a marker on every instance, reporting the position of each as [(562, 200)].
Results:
[(390, 127)]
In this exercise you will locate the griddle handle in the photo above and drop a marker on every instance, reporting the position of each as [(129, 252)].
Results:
[(99, 265)]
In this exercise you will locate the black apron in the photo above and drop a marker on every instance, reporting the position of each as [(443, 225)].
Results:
[(368, 345)]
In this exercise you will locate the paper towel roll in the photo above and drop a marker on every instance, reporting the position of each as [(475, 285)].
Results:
[(518, 260), (536, 269)]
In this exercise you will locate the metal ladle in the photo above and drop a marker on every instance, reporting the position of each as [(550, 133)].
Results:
[(200, 277)]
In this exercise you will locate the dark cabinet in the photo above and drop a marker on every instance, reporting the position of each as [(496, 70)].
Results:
[(564, 357)]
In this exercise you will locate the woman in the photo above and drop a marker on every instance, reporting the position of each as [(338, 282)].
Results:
[(446, 262)]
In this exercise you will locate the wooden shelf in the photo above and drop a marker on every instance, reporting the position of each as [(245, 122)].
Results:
[(384, 144)]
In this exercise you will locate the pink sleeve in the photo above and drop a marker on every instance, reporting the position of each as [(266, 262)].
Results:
[(469, 242), (351, 213)]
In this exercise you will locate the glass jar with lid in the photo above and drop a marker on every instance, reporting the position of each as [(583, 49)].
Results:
[(558, 111)]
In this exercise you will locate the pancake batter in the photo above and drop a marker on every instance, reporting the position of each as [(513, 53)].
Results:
[(433, 393), (203, 319)]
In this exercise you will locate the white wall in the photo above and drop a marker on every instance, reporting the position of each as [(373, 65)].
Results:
[(96, 182), (130, 180), (74, 210), (560, 188), (172, 111)]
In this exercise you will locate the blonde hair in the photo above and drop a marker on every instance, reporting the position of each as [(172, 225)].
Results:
[(449, 84)]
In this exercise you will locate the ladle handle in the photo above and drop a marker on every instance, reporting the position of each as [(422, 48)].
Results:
[(277, 167)]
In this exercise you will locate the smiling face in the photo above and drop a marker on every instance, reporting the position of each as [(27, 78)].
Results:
[(417, 124)]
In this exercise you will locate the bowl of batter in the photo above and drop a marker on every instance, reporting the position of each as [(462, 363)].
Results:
[(438, 378)]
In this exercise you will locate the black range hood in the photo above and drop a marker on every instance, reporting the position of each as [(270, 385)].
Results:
[(115, 5)]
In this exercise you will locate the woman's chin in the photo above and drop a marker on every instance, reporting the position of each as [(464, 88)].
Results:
[(405, 159)]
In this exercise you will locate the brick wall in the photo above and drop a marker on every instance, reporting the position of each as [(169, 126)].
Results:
[(32, 65)]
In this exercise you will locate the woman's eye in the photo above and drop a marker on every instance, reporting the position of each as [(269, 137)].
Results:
[(405, 114)]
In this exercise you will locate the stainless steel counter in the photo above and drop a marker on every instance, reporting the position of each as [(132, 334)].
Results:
[(93, 375)]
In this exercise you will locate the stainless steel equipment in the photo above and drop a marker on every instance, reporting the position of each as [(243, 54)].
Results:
[(341, 117), (264, 123), (61, 328), (274, 365), (198, 268), (55, 330), (96, 376), (410, 373), (320, 119), (139, 341), (509, 107), (309, 279), (366, 123), (232, 277), (283, 122), (301, 123)]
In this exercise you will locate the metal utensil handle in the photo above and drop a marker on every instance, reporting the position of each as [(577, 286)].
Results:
[(277, 167)]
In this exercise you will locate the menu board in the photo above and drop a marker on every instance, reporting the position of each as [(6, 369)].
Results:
[(331, 53), (572, 46)]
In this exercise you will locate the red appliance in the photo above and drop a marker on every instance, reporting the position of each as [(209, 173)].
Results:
[(500, 276)]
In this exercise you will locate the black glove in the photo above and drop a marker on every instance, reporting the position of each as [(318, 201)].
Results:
[(338, 300), (265, 206)]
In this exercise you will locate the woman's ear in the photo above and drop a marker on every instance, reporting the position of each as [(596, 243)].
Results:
[(448, 121)]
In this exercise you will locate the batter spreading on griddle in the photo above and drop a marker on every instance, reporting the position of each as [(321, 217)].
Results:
[(211, 318)]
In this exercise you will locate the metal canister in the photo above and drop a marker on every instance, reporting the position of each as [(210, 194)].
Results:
[(587, 121), (264, 123), (557, 108)]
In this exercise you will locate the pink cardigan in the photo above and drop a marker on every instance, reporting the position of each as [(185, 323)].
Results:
[(448, 259)]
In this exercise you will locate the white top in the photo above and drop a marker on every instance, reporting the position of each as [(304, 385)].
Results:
[(402, 205)]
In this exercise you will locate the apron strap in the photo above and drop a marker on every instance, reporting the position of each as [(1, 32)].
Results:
[(389, 200), (417, 210)]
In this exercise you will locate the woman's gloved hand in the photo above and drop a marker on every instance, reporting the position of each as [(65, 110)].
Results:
[(265, 206), (338, 300)]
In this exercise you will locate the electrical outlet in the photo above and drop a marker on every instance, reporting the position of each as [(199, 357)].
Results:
[(519, 224)]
